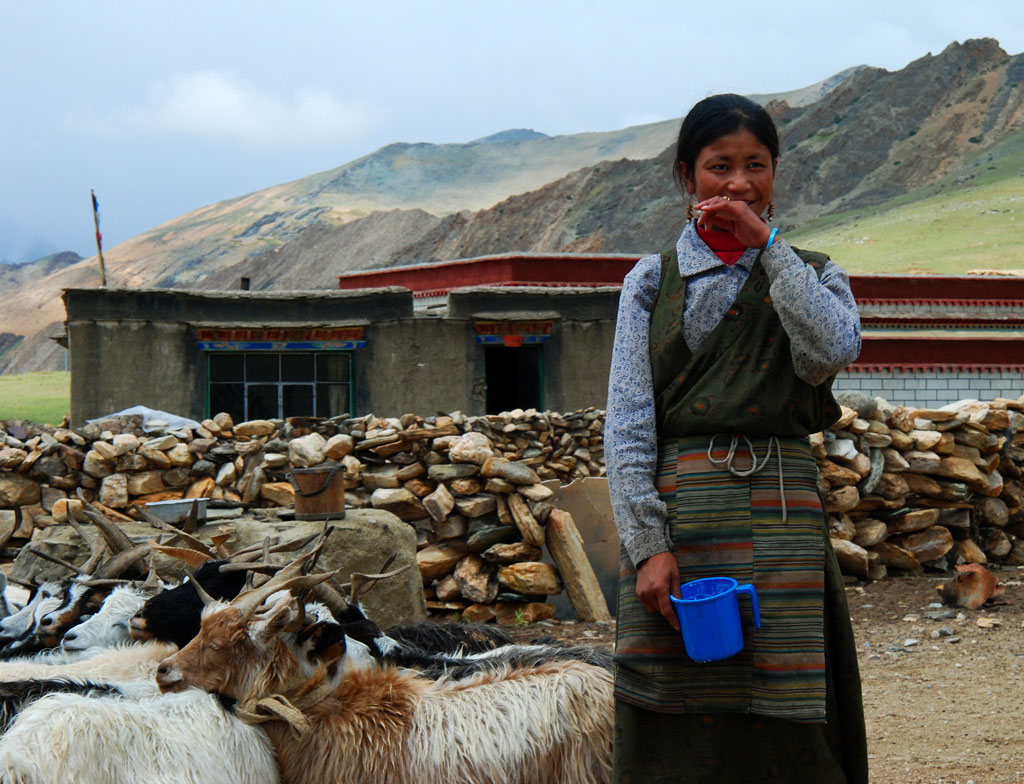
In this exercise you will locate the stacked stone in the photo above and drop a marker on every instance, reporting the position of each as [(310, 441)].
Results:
[(904, 488), (469, 485), (913, 488)]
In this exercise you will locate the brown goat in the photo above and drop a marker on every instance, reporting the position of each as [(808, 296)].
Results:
[(332, 721)]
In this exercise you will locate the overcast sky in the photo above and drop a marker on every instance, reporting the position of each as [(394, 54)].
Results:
[(163, 107)]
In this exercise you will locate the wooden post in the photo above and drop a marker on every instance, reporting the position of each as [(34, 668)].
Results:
[(99, 238), (566, 547)]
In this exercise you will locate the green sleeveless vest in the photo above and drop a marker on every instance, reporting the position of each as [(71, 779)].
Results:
[(741, 380)]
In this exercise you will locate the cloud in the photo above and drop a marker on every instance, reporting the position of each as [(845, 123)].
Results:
[(220, 107)]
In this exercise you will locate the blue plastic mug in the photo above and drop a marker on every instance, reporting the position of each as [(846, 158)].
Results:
[(709, 617)]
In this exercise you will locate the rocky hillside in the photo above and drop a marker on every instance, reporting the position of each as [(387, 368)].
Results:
[(13, 276), (860, 139), (876, 136)]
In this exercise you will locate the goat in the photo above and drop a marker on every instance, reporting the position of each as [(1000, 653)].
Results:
[(109, 625), (173, 615), (170, 739), (122, 663), (454, 650), (450, 637), (381, 723), (17, 628), (15, 695), (80, 600)]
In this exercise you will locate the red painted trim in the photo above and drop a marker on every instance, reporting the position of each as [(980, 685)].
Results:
[(952, 289), (927, 350), (598, 269), (926, 368), (557, 269), (941, 322)]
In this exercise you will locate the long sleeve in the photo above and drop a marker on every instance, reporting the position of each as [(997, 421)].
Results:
[(631, 448), (819, 316)]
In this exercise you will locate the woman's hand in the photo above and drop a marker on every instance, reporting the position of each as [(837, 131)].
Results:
[(735, 217), (656, 578)]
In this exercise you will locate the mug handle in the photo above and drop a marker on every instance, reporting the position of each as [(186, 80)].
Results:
[(751, 591)]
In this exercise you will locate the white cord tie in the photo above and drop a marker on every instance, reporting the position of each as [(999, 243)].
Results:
[(728, 461)]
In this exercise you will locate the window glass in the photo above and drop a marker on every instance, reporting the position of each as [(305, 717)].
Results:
[(229, 398), (297, 400), (275, 385), (227, 367), (261, 401), (297, 366), (332, 367), (261, 367), (331, 400)]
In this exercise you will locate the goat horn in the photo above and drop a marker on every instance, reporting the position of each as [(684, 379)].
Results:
[(204, 597), (105, 582), (250, 600), (250, 579), (97, 547), (193, 558), (262, 568), (251, 552), (190, 526), (300, 616), (94, 560), (116, 539), (333, 598), (328, 530), (218, 543), (152, 579), (156, 522), (46, 556), (122, 562), (362, 583)]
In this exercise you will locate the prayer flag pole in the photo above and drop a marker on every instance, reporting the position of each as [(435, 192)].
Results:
[(99, 237)]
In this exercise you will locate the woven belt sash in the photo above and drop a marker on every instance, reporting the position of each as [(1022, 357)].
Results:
[(724, 525)]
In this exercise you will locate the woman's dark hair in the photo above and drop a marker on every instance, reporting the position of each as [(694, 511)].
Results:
[(715, 117)]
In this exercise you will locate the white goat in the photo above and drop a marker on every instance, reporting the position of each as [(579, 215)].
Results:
[(172, 739), (138, 661), (109, 626)]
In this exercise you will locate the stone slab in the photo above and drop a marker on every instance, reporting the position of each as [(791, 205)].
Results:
[(588, 502)]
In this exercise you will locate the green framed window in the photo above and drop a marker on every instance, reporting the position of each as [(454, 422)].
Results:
[(279, 384)]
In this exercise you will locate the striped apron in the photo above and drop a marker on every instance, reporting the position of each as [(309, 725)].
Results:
[(765, 528)]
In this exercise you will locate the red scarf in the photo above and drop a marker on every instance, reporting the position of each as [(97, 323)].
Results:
[(723, 244)]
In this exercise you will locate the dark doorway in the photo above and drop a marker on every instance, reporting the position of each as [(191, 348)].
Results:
[(515, 378)]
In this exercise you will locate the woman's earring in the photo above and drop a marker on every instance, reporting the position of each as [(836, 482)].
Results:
[(771, 211), (689, 211)]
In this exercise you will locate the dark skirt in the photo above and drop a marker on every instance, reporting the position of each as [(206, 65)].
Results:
[(735, 748)]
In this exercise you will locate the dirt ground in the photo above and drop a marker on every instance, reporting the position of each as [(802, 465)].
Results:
[(943, 696)]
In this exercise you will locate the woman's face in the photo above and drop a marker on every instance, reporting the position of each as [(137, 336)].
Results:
[(736, 165)]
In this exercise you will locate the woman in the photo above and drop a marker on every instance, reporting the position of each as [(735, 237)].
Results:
[(725, 350)]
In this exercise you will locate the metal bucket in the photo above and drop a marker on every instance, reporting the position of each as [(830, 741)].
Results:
[(319, 492)]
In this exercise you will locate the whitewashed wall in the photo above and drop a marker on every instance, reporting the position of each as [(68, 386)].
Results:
[(931, 388)]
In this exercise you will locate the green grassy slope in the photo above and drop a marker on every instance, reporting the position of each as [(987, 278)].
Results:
[(962, 224), (36, 397)]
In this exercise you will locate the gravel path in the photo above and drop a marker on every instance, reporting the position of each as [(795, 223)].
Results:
[(943, 691)]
